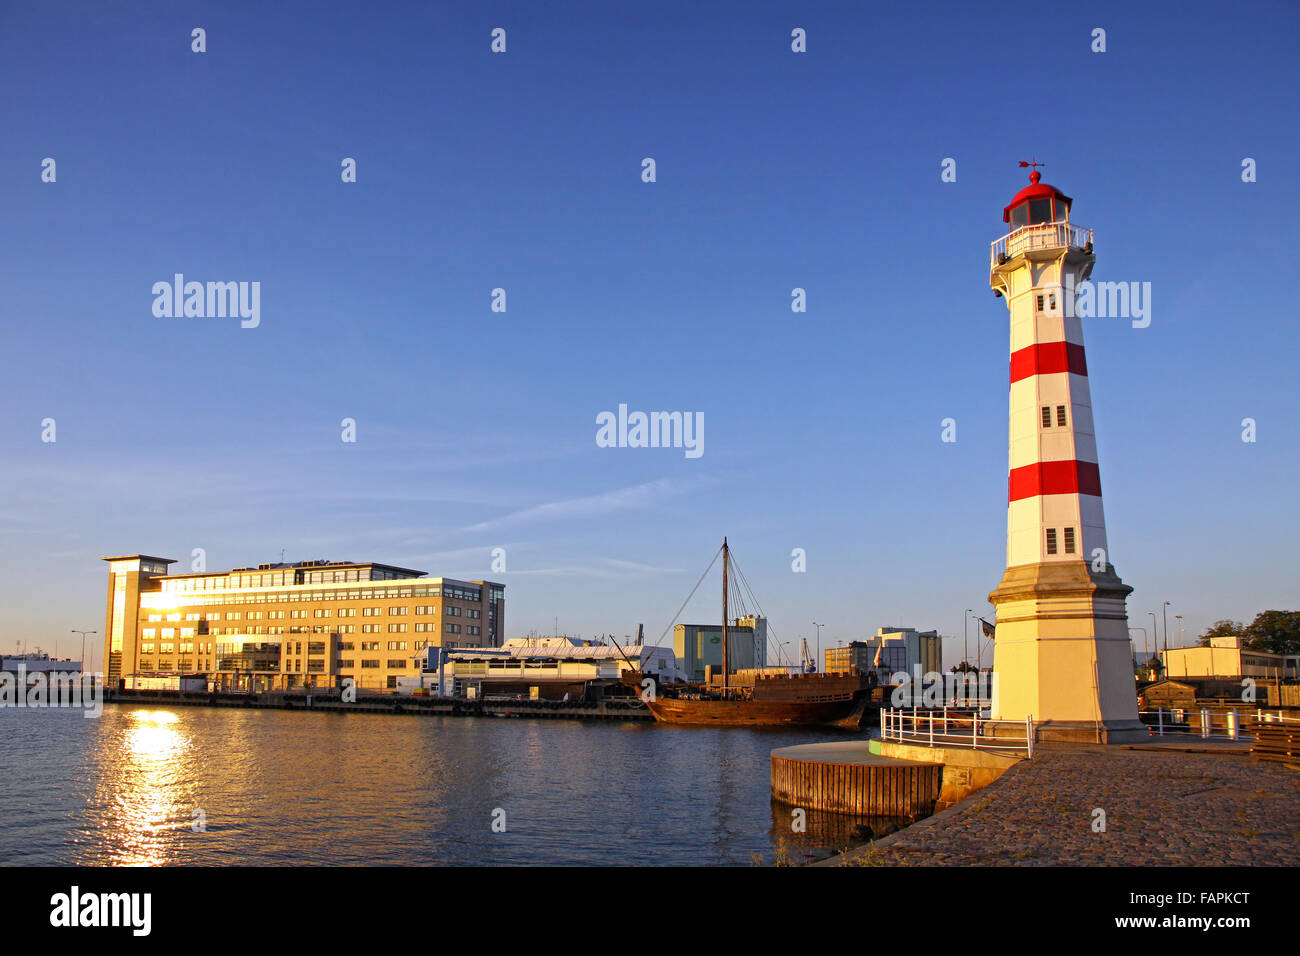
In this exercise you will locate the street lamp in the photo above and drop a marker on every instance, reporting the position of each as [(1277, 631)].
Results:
[(83, 646), (1145, 653), (1155, 632), (1181, 641), (819, 641), (1164, 611), (965, 646)]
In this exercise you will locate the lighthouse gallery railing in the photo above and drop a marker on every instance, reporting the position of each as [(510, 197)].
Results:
[(1043, 235)]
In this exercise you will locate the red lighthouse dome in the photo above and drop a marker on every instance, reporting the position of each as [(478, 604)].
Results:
[(1037, 202)]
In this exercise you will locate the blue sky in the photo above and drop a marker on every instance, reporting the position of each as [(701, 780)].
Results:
[(775, 170)]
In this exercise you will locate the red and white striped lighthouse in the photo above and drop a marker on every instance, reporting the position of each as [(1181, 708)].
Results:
[(1062, 652)]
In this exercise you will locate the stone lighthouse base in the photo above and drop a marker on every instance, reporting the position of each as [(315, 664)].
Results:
[(1051, 732), (1062, 656)]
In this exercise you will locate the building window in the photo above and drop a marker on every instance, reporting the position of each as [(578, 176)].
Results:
[(1069, 541), (1060, 415), (1051, 302), (1051, 541), (1040, 303), (1047, 416)]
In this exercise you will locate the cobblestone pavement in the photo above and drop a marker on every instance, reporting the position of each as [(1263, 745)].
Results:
[(1162, 809)]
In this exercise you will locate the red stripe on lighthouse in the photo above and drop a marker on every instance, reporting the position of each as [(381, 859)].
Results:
[(1054, 478), (1046, 357)]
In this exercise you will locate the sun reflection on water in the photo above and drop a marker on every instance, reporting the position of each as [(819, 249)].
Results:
[(146, 785)]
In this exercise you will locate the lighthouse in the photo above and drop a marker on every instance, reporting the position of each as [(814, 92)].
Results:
[(1061, 652)]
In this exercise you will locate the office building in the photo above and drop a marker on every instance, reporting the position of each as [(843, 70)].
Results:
[(280, 626)]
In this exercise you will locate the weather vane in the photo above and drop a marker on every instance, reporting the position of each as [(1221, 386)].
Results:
[(1035, 175)]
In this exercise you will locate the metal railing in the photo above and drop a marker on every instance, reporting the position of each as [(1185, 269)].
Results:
[(1042, 235), (952, 728), (1204, 723)]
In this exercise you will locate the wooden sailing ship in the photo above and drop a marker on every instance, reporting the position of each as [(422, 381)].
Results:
[(756, 699)]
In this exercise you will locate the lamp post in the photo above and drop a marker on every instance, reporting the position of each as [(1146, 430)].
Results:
[(965, 645), (819, 641), (1145, 653), (83, 646), (1181, 641), (1164, 611), (1155, 635)]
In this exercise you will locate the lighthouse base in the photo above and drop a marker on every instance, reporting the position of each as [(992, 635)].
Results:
[(1072, 731), (1062, 655)]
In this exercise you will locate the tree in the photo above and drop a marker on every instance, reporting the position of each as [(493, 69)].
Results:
[(1224, 628), (1274, 632)]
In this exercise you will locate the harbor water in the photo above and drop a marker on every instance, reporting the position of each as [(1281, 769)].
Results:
[(143, 785)]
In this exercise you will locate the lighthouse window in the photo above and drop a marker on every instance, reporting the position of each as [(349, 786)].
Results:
[(1040, 210), (1051, 301), (1069, 541), (1040, 303), (1060, 415), (1051, 541), (1047, 416)]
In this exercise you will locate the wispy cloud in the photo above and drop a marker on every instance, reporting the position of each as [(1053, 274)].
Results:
[(608, 568), (632, 497)]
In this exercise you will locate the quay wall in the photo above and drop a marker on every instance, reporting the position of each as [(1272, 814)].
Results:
[(389, 704), (964, 770)]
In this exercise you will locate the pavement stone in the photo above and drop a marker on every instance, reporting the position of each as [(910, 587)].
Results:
[(1162, 808)]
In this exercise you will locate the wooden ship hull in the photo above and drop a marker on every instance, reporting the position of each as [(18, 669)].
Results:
[(754, 698), (834, 700), (758, 713)]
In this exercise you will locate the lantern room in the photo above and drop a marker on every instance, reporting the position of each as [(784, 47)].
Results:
[(1037, 203)]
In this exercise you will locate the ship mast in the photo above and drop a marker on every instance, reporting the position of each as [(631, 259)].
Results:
[(726, 642)]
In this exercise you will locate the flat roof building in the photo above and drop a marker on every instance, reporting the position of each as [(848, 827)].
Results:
[(901, 649), (546, 668), (1225, 657), (698, 646), (279, 626)]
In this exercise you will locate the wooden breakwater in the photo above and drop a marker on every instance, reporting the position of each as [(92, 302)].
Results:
[(615, 709), (1280, 742), (865, 785)]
